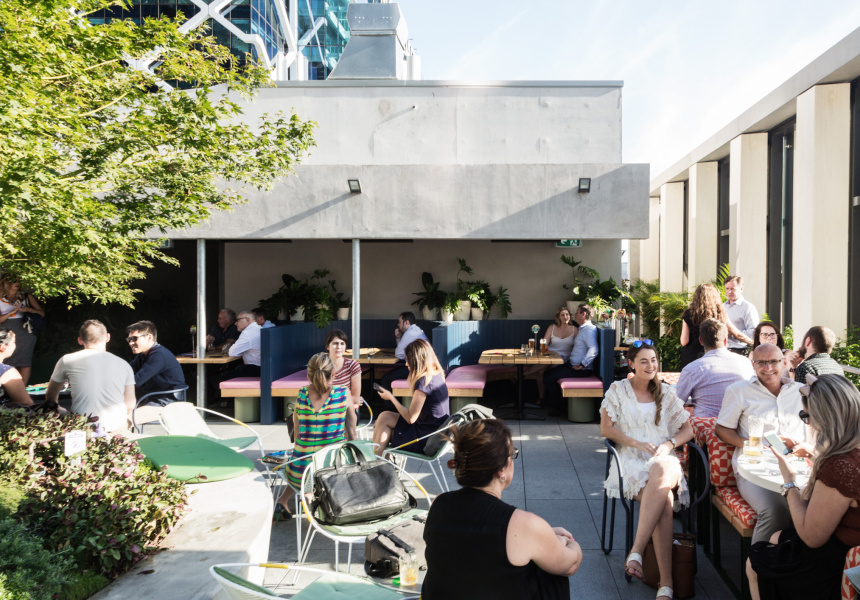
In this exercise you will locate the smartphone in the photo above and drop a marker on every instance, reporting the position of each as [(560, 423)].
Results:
[(777, 443), (379, 388)]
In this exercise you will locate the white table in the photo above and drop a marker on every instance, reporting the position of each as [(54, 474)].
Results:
[(765, 473)]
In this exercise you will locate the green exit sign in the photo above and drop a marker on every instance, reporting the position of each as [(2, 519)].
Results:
[(568, 244)]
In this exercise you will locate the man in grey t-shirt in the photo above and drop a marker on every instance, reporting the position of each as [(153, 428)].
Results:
[(102, 384)]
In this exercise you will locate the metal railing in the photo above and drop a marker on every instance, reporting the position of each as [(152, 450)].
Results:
[(852, 370)]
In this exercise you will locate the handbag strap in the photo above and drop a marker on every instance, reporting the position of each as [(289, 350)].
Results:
[(397, 541), (357, 455)]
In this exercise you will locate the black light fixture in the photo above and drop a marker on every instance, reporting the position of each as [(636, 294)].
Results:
[(584, 185), (354, 186)]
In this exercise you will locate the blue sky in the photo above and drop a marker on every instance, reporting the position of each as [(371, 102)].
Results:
[(688, 68)]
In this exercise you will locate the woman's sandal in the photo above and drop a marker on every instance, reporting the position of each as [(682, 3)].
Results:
[(666, 591), (281, 513), (634, 557)]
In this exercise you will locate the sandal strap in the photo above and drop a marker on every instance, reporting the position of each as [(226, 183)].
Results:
[(665, 590), (633, 556)]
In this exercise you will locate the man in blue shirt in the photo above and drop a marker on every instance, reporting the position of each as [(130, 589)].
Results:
[(580, 362), (155, 368)]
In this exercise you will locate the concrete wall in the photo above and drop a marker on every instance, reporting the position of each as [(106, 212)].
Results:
[(672, 237), (821, 205), (391, 272), (702, 223)]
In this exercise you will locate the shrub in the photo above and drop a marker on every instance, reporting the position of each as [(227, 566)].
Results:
[(847, 352), (27, 569), (109, 510), (11, 496)]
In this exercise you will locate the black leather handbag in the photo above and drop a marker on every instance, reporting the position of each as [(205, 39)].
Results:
[(359, 491)]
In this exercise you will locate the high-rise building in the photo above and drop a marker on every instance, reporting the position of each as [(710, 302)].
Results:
[(296, 39)]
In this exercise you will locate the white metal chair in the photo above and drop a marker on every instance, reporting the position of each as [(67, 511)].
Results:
[(327, 586), (365, 432), (354, 533), (178, 393)]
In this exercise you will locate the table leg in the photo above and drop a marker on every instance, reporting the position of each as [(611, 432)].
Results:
[(201, 385), (520, 413)]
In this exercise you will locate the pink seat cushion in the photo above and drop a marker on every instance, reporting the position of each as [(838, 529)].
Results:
[(583, 383), (241, 383), (295, 380), (465, 378), (400, 384)]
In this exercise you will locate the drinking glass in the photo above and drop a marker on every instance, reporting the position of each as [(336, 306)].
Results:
[(525, 349), (543, 346), (756, 430), (408, 569), (531, 345), (752, 452)]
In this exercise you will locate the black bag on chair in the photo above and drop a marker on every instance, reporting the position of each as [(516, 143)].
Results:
[(383, 549), (360, 491)]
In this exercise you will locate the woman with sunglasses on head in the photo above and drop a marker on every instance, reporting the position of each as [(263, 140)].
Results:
[(647, 421), (807, 561), (705, 304), (478, 546)]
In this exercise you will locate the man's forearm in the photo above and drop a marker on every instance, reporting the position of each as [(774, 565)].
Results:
[(729, 436), (52, 394)]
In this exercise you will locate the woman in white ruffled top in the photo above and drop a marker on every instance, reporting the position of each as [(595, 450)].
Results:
[(647, 421), (559, 338)]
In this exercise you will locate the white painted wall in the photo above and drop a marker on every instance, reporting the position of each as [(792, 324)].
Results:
[(391, 272), (649, 249), (821, 209), (702, 223), (672, 237)]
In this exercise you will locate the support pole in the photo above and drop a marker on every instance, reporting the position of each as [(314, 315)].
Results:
[(356, 298), (201, 322)]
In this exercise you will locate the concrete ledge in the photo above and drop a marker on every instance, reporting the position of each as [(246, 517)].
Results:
[(228, 521)]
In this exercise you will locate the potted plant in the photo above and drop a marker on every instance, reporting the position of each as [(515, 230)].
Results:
[(482, 299), (463, 311), (338, 302), (431, 299), (503, 302), (578, 286), (450, 305), (289, 301)]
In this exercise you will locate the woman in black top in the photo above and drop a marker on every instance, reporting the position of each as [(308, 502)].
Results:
[(480, 547)]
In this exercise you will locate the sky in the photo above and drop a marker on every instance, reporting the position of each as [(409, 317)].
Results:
[(689, 68)]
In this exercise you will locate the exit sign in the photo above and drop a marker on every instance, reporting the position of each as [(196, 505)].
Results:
[(568, 244)]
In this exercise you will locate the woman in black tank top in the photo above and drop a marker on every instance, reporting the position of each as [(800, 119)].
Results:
[(480, 547)]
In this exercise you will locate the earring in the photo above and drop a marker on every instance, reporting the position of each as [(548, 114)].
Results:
[(502, 478)]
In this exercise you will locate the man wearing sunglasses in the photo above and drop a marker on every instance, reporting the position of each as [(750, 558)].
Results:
[(777, 402), (155, 368)]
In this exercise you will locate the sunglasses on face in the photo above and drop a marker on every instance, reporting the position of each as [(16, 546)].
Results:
[(645, 342), (804, 416), (134, 338), (515, 453)]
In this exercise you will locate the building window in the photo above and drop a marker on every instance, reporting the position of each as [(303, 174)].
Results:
[(854, 238), (780, 222), (723, 220)]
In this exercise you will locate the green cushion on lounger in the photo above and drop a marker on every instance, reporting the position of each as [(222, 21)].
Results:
[(332, 587), (189, 457), (233, 578)]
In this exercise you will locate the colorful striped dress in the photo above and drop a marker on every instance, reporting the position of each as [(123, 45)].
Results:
[(316, 430)]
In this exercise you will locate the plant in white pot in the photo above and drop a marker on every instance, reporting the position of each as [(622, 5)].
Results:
[(431, 298), (338, 302), (579, 282), (463, 312), (449, 306)]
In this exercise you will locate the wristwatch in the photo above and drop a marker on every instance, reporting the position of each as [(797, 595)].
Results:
[(674, 443), (787, 486)]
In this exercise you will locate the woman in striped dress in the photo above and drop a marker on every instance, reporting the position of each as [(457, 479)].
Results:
[(323, 416)]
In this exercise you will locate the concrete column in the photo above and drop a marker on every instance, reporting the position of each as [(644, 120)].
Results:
[(748, 215), (702, 223), (649, 249), (821, 209), (672, 237)]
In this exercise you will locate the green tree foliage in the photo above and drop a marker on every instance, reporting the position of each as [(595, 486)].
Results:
[(96, 157)]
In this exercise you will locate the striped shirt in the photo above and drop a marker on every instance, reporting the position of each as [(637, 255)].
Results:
[(817, 364), (703, 382), (347, 371), (316, 429)]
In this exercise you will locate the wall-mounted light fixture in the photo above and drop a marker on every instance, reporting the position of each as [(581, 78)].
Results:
[(354, 186), (584, 185)]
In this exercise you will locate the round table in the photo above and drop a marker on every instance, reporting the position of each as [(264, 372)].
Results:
[(765, 473)]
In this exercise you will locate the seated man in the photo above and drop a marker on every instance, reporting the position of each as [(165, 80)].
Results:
[(102, 384), (580, 363), (703, 382), (260, 318), (225, 332), (405, 333), (247, 346), (155, 369), (778, 403), (815, 352)]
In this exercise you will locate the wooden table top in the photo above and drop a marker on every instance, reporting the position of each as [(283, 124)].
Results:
[(212, 358), (374, 356), (514, 356)]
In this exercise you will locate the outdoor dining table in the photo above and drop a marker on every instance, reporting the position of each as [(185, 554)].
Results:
[(211, 358), (765, 472), (373, 357), (514, 357)]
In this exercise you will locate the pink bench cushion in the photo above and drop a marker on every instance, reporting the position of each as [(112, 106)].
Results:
[(400, 384), (293, 381), (241, 383), (582, 383), (466, 378)]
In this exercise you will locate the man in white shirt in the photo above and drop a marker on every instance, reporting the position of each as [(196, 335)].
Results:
[(102, 384), (405, 333), (247, 346), (741, 313), (777, 402)]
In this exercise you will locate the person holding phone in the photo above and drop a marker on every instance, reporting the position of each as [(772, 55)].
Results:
[(806, 561), (428, 409)]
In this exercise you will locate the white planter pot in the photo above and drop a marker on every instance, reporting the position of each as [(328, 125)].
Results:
[(282, 316), (343, 314), (447, 317), (465, 311), (428, 314), (571, 306), (299, 315), (477, 314)]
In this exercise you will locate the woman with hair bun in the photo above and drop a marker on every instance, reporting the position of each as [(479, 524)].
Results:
[(481, 547), (647, 421), (428, 409), (324, 415)]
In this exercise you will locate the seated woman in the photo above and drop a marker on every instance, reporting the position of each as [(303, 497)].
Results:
[(559, 338), (807, 561), (347, 372), (13, 392), (480, 547), (647, 421), (323, 416), (428, 409)]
